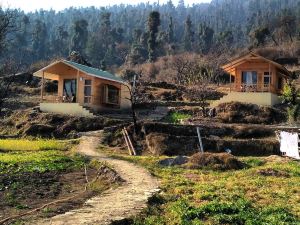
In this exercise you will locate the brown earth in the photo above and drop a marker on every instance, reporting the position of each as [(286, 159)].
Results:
[(30, 122), (23, 192), (171, 139), (236, 112), (113, 205), (217, 161)]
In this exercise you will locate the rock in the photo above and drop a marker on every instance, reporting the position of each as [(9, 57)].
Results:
[(39, 129), (179, 160), (214, 137)]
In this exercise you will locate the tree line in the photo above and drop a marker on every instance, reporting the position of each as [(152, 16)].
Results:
[(109, 37)]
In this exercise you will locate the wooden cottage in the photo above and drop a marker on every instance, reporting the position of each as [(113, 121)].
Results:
[(255, 79), (82, 89)]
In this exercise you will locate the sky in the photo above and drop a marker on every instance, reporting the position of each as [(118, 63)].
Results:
[(32, 5)]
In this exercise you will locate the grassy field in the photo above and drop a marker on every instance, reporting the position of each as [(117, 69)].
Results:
[(30, 171), (32, 145), (19, 156), (231, 197)]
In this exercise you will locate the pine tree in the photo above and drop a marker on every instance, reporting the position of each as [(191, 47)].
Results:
[(39, 38), (153, 25), (171, 31), (80, 36), (188, 34), (206, 35)]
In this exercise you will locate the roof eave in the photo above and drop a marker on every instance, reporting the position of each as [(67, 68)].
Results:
[(66, 63), (232, 64)]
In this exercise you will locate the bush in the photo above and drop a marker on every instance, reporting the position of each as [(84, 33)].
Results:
[(176, 117), (218, 161), (236, 112), (157, 143), (293, 112), (290, 93)]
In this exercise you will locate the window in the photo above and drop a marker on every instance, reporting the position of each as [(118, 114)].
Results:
[(87, 91), (279, 86), (267, 78), (249, 77), (69, 92), (112, 94), (87, 82)]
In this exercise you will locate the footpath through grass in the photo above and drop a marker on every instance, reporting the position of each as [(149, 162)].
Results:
[(230, 197)]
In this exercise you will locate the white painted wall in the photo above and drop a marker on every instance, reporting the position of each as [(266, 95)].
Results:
[(73, 109), (259, 98)]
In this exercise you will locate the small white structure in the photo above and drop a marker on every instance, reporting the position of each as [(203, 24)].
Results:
[(289, 144)]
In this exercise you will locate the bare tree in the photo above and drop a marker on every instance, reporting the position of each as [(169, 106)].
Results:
[(134, 78), (198, 84), (180, 64), (8, 72), (8, 67), (7, 25)]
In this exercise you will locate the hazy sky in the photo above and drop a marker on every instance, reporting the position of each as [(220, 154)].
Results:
[(32, 5)]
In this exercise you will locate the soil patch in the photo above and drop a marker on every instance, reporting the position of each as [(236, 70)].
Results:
[(172, 140), (23, 192), (273, 172), (236, 112), (33, 123), (216, 161)]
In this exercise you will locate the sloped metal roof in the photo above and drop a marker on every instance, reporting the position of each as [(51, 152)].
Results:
[(94, 71)]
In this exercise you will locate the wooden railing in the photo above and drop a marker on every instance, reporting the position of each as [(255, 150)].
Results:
[(255, 87), (65, 99), (249, 88)]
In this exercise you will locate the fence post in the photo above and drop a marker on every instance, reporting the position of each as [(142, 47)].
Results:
[(200, 140)]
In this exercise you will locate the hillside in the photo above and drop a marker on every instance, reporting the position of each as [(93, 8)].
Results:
[(151, 114), (117, 34)]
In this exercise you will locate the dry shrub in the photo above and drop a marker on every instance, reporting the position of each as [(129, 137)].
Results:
[(217, 161), (273, 172), (236, 112), (156, 143)]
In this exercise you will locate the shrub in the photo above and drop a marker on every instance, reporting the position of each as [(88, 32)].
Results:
[(218, 161), (236, 112), (156, 143), (293, 112), (290, 93), (176, 117)]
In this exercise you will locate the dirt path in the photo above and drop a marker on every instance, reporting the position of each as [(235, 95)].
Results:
[(112, 205)]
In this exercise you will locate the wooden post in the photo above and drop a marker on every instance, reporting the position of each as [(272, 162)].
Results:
[(42, 86), (270, 77), (200, 140), (127, 143), (77, 86), (230, 82), (130, 143)]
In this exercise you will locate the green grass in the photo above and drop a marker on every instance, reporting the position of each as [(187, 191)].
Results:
[(175, 117), (37, 156), (230, 197), (32, 145), (38, 161)]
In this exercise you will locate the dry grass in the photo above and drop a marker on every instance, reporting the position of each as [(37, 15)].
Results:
[(31, 145), (218, 161)]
